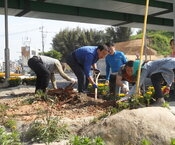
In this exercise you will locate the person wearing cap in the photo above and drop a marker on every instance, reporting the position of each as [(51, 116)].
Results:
[(81, 60), (157, 70), (45, 68), (114, 60)]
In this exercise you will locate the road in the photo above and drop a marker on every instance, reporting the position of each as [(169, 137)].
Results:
[(61, 82)]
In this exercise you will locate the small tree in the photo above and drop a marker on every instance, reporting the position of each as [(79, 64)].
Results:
[(54, 54)]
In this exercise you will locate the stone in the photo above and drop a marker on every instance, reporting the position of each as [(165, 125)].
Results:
[(154, 124)]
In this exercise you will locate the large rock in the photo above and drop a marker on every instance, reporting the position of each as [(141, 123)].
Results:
[(155, 124)]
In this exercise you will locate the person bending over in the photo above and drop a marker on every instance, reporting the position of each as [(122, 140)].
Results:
[(45, 68), (81, 60), (157, 70)]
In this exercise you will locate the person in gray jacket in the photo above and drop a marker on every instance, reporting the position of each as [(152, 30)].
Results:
[(45, 68), (158, 71)]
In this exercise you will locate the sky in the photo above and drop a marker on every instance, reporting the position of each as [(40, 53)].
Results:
[(27, 32)]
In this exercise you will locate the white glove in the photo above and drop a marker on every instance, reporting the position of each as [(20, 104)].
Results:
[(125, 88), (107, 82), (73, 81)]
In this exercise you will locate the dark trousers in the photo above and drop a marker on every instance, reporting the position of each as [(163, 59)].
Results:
[(79, 72), (112, 84), (43, 75), (157, 80), (172, 92)]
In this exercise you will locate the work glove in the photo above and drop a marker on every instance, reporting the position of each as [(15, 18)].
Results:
[(166, 90), (125, 88), (107, 82), (73, 81), (94, 86)]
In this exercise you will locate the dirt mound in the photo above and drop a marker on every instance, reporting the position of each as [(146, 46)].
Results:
[(132, 47), (25, 105)]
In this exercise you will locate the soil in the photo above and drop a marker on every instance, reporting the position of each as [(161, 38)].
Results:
[(75, 109)]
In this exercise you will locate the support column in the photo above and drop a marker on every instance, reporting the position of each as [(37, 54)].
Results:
[(7, 60), (174, 17)]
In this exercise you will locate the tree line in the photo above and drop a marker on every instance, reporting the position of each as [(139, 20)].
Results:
[(68, 40)]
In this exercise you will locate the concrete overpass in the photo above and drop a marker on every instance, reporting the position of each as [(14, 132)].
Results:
[(126, 13)]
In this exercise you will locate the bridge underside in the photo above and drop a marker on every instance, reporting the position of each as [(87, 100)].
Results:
[(126, 13)]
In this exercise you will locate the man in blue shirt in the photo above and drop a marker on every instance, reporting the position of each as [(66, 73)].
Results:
[(114, 60), (81, 60)]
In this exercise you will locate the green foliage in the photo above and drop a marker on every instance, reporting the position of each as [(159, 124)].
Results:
[(29, 81), (145, 142), (54, 54), (138, 36), (173, 141), (123, 34), (28, 101), (47, 131), (117, 34), (14, 81), (68, 40), (87, 141), (160, 43), (103, 89), (9, 138), (157, 40), (10, 123)]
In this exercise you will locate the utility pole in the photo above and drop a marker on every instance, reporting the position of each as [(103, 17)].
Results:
[(174, 18), (7, 56), (42, 37)]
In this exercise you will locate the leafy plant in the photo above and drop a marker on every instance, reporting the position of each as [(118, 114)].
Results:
[(87, 141), (10, 123), (9, 138), (103, 89), (173, 141), (47, 131), (145, 142)]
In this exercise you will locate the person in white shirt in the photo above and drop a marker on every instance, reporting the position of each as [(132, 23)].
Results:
[(45, 68)]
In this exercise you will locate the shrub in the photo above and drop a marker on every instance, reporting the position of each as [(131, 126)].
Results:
[(2, 79), (14, 81), (46, 132), (29, 81)]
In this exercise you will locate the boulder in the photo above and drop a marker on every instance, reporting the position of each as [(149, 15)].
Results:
[(153, 124)]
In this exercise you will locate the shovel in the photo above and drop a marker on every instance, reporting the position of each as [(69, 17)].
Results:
[(96, 76)]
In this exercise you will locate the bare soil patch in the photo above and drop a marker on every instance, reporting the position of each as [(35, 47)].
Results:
[(24, 106)]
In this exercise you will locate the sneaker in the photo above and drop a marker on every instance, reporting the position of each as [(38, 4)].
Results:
[(159, 102)]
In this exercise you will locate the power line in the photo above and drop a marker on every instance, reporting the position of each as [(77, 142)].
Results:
[(16, 33)]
